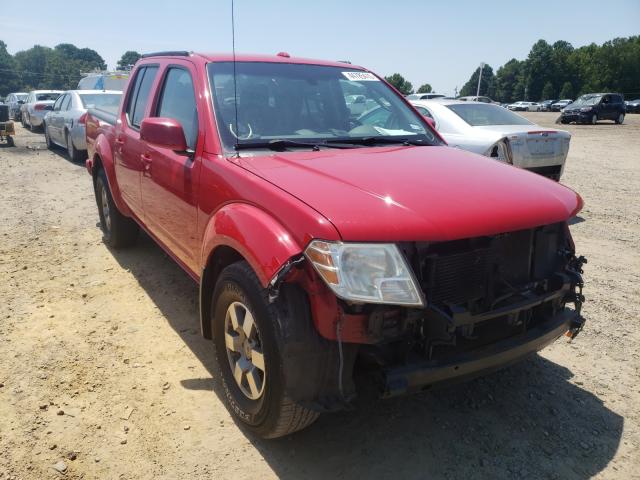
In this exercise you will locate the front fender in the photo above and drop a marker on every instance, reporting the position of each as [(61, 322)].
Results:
[(263, 241)]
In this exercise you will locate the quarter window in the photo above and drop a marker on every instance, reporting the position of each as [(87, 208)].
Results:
[(66, 102), (178, 101)]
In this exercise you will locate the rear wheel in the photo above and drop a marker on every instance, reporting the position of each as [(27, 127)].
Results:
[(620, 119), (118, 231), (74, 154), (248, 357)]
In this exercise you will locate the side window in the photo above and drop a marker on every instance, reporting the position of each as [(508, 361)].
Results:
[(57, 105), (66, 102), (178, 101), (140, 95)]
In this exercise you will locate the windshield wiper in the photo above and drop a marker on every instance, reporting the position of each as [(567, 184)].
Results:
[(369, 141), (281, 144)]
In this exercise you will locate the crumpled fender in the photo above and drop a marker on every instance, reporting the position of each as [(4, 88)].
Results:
[(257, 236)]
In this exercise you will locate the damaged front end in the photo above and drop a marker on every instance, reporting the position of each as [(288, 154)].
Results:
[(490, 301)]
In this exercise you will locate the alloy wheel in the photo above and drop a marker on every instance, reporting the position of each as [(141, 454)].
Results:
[(244, 350)]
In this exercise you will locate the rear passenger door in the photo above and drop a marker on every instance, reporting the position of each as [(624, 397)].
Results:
[(53, 125), (169, 183), (128, 148)]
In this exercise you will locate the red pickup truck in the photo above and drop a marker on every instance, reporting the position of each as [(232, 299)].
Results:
[(336, 258)]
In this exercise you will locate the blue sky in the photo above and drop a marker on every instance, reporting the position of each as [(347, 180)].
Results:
[(436, 42)]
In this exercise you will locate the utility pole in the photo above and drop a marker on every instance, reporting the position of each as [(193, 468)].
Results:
[(479, 79)]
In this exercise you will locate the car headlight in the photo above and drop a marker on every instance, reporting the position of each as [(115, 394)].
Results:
[(365, 272), (585, 109)]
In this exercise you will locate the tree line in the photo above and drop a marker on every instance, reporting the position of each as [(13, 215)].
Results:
[(555, 71), (57, 68), (558, 70)]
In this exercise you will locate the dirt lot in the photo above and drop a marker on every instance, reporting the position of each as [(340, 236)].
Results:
[(102, 365)]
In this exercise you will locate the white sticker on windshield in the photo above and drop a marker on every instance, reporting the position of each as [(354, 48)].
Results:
[(360, 76)]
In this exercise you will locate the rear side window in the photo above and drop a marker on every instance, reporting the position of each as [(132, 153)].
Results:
[(178, 101), (66, 102), (58, 104), (140, 95)]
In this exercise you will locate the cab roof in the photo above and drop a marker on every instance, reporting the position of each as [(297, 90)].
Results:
[(281, 57)]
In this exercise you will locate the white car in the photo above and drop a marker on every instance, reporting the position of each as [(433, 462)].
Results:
[(498, 133), (525, 106), (34, 108)]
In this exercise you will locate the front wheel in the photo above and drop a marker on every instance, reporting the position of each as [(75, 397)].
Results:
[(248, 359), (118, 231), (620, 119), (594, 119)]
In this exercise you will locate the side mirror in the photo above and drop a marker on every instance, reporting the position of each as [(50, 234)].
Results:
[(164, 132), (430, 121)]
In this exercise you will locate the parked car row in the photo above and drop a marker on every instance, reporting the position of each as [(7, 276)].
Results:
[(61, 115), (339, 254)]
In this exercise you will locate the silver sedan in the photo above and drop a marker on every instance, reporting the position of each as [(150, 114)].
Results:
[(64, 123), (499, 133), (34, 108)]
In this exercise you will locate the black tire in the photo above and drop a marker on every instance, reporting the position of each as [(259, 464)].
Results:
[(10, 142), (272, 414), (118, 231), (47, 138), (24, 124), (74, 154), (620, 119)]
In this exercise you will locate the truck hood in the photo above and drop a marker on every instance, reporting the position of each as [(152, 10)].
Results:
[(415, 193)]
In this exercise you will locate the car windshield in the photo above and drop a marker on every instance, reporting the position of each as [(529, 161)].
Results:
[(587, 100), (308, 103), (479, 115), (22, 96), (103, 101), (42, 97)]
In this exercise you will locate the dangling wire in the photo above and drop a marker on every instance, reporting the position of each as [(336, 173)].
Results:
[(235, 85)]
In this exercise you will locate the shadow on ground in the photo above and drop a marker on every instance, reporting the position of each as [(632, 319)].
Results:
[(528, 421)]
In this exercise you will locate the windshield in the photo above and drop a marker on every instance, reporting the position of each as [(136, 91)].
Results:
[(103, 101), (308, 103), (587, 100), (479, 115), (22, 96), (41, 97)]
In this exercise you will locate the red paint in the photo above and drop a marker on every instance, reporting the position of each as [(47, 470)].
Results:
[(269, 207)]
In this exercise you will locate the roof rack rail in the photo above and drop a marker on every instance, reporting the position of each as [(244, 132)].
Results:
[(170, 53)]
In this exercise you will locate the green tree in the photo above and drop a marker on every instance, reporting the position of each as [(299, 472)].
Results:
[(426, 88), (399, 82), (548, 92), (507, 78), (566, 91), (9, 78), (540, 68), (487, 83), (130, 57)]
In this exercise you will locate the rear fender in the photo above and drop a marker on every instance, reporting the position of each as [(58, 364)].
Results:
[(103, 158), (255, 236)]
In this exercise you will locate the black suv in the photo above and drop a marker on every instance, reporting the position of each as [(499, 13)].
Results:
[(592, 107)]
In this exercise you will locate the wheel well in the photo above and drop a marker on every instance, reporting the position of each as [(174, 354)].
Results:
[(222, 257)]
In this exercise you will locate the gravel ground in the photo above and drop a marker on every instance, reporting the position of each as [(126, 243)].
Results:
[(103, 373)]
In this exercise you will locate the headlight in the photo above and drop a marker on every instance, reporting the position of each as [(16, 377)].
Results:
[(585, 109), (365, 272)]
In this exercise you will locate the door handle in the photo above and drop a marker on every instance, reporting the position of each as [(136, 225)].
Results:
[(146, 160)]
